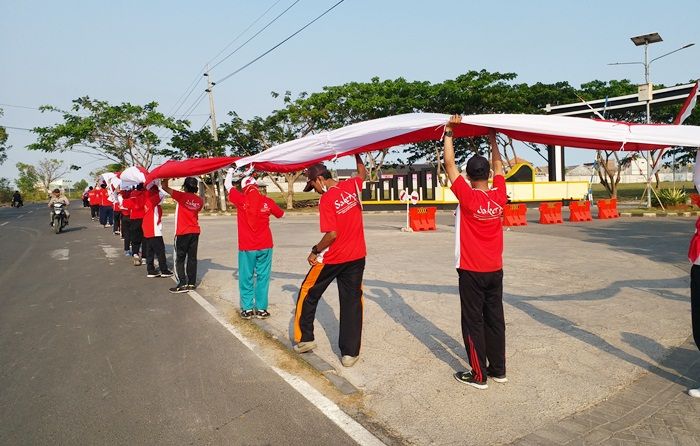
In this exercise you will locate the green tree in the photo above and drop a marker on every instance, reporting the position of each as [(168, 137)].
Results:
[(52, 170), (80, 186), (27, 180), (3, 142), (6, 190), (123, 134)]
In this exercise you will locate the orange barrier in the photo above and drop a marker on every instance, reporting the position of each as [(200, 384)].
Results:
[(550, 213), (695, 199), (422, 219), (607, 209), (514, 215), (580, 210)]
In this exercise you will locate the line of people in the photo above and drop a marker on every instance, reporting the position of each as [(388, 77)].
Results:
[(136, 214)]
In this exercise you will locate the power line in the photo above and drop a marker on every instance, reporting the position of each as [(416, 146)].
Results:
[(243, 32), (256, 34), (15, 128), (278, 45), (190, 89)]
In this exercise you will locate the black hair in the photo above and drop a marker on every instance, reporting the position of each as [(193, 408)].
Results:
[(326, 174), (191, 185)]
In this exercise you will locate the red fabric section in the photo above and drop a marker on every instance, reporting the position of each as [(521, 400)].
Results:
[(341, 212), (189, 167), (187, 212), (254, 224), (480, 225)]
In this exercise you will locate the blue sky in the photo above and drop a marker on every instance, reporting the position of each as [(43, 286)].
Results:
[(138, 51)]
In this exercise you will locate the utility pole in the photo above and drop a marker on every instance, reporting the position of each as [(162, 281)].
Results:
[(215, 136)]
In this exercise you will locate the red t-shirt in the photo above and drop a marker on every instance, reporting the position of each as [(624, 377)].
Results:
[(341, 212), (152, 214), (478, 225), (187, 212), (93, 199), (254, 222), (134, 203), (102, 199)]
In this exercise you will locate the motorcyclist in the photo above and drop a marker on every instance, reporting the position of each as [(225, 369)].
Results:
[(57, 197), (17, 198)]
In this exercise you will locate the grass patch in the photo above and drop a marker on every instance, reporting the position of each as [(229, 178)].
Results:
[(634, 191)]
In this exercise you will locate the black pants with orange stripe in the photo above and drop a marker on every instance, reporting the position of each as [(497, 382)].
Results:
[(349, 278), (483, 324)]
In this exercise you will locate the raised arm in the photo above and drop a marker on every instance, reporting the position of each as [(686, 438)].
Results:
[(164, 185), (228, 181), (496, 162), (449, 148), (361, 169)]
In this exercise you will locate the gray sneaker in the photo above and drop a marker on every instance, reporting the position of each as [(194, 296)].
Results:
[(349, 361), (137, 260), (304, 347)]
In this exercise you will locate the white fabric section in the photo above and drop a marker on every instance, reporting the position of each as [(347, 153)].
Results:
[(228, 181), (693, 100), (130, 177), (340, 141)]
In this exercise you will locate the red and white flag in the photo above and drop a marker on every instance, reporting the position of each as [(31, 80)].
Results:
[(683, 114)]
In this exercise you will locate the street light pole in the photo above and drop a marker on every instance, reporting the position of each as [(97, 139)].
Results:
[(645, 40)]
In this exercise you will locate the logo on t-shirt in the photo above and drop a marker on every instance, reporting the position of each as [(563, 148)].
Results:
[(345, 202), (192, 204)]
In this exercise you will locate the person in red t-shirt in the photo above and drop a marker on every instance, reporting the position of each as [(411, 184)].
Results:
[(134, 201), (480, 260), (254, 244), (152, 226), (339, 255), (186, 233), (94, 200), (106, 210)]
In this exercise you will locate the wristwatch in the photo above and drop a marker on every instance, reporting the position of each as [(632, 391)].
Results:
[(314, 250), (448, 133)]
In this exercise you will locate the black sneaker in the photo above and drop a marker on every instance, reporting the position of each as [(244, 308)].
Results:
[(247, 314), (468, 378), (179, 289), (152, 275), (166, 273), (262, 314), (191, 287)]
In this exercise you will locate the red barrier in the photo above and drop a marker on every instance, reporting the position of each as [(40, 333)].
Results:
[(550, 213), (422, 218), (514, 215), (580, 210), (607, 209), (694, 199)]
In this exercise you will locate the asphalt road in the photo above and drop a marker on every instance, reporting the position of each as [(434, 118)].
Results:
[(93, 352)]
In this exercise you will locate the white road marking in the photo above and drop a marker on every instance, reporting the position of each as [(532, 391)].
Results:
[(4, 223), (60, 254), (20, 216), (30, 212), (331, 410), (111, 252)]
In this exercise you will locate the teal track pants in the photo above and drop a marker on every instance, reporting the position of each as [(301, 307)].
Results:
[(254, 278)]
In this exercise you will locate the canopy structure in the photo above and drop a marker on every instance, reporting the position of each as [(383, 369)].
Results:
[(409, 128)]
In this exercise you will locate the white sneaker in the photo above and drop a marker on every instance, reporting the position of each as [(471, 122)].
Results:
[(695, 393), (349, 361), (304, 347)]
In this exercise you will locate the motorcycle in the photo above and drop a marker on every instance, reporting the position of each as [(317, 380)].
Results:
[(58, 217), (17, 203)]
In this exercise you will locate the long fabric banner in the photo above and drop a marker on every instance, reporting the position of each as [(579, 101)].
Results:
[(189, 167), (409, 128)]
